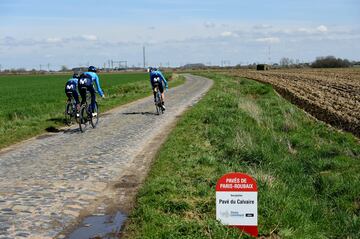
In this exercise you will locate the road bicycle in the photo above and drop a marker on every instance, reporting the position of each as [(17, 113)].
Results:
[(158, 101), (86, 114), (71, 111)]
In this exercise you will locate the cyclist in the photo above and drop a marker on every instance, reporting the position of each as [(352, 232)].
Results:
[(157, 78), (71, 89), (86, 81)]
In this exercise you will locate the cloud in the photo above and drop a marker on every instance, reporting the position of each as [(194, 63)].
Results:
[(314, 31), (249, 39), (303, 30), (89, 37), (228, 34), (54, 40), (269, 40), (8, 41), (262, 27), (209, 25), (322, 28)]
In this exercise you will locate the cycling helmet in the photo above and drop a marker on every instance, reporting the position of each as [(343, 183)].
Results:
[(150, 69), (75, 75), (92, 69)]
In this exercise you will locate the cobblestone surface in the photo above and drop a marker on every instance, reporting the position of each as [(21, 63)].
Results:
[(48, 182)]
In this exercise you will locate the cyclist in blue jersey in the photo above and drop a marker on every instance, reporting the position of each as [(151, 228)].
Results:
[(156, 77), (71, 89), (86, 81)]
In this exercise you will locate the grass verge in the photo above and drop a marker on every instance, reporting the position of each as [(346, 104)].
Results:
[(33, 104), (307, 173)]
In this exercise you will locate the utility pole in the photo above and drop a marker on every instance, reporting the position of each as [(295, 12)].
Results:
[(144, 56), (269, 56)]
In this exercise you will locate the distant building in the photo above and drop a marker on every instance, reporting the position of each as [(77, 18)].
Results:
[(356, 64), (262, 67), (194, 66), (79, 69)]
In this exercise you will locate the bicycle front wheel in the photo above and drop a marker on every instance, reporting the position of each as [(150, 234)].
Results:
[(157, 106)]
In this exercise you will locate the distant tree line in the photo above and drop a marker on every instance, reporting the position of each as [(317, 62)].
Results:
[(330, 62), (320, 62), (285, 62), (21, 71)]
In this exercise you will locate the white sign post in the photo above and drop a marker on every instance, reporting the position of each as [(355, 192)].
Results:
[(236, 202)]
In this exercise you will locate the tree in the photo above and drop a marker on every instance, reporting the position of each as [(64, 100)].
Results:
[(285, 62), (64, 68), (330, 62)]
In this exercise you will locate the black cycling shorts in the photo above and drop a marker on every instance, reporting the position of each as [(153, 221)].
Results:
[(161, 87)]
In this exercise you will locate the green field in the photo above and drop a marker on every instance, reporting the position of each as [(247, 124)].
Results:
[(32, 104), (307, 173)]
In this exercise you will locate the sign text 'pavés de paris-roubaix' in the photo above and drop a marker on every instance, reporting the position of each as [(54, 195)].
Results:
[(236, 202)]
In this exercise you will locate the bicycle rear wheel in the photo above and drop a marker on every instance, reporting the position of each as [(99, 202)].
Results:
[(83, 118), (68, 112), (95, 119), (76, 115), (159, 107)]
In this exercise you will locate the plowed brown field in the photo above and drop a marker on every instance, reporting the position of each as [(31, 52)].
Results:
[(331, 95)]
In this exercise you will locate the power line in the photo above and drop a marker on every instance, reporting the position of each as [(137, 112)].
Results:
[(225, 63), (122, 64)]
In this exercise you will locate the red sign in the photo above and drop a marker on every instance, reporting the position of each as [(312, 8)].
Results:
[(236, 202)]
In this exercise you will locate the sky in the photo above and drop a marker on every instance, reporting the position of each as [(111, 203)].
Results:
[(214, 32)]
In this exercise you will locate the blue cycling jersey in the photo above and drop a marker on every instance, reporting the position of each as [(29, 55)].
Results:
[(94, 78), (157, 74), (73, 81)]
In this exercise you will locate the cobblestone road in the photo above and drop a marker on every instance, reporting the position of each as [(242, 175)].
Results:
[(47, 183)]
